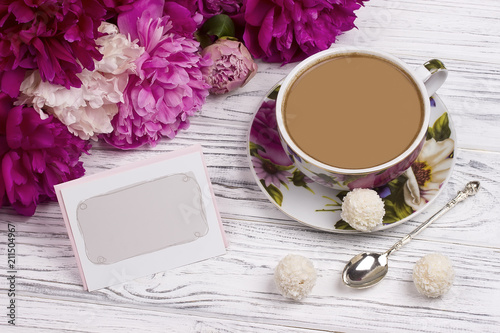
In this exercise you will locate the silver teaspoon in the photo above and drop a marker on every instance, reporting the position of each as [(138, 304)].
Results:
[(367, 269)]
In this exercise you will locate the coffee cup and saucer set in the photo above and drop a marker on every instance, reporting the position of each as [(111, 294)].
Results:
[(349, 118)]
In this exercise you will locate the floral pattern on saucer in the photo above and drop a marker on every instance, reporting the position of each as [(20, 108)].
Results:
[(319, 207)]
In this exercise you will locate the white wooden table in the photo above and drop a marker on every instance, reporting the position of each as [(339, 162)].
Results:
[(236, 292)]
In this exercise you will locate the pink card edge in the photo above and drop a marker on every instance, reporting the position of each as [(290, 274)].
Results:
[(133, 165), (70, 234)]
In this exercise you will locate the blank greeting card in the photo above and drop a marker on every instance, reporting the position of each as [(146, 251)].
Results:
[(143, 218)]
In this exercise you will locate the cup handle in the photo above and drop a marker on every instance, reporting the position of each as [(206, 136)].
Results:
[(433, 73)]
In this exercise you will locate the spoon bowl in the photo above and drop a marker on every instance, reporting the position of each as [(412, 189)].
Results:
[(365, 270)]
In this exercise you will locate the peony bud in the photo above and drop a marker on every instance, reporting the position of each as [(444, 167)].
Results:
[(232, 66)]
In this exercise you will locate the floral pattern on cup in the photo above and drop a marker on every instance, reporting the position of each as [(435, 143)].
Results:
[(403, 196), (271, 163), (422, 181)]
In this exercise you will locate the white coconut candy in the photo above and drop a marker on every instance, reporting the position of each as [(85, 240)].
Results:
[(295, 276), (363, 209), (433, 275)]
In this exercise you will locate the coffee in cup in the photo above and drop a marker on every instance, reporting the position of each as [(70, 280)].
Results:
[(348, 114)]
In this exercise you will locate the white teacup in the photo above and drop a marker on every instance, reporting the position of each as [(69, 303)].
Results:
[(426, 79)]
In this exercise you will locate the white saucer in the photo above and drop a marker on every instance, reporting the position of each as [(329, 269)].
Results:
[(318, 206)]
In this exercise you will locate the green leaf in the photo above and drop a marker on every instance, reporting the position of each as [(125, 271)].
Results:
[(230, 38), (284, 184), (434, 65), (402, 209), (254, 148), (391, 213), (219, 25), (430, 134), (274, 93), (328, 210), (341, 195), (335, 202), (395, 205), (203, 39), (441, 128), (326, 178), (282, 167), (274, 192), (349, 179), (343, 225), (298, 179)]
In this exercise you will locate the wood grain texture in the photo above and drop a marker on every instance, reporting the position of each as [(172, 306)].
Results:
[(70, 316), (236, 292), (241, 282)]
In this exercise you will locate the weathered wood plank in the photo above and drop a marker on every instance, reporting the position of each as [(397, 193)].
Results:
[(48, 315), (240, 284)]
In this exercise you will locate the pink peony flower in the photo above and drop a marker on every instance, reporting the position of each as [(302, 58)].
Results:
[(57, 37), (232, 66), (288, 31), (35, 155), (168, 88)]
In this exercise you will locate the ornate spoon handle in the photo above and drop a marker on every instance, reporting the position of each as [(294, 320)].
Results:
[(470, 189)]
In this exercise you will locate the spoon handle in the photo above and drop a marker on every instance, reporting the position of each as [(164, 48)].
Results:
[(470, 189)]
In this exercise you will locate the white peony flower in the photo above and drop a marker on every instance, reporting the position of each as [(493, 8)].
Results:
[(87, 111), (119, 53), (428, 172)]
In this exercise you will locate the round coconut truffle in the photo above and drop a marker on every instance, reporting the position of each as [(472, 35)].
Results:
[(295, 276), (363, 209), (433, 275)]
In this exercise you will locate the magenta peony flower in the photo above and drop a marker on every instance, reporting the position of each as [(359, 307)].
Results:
[(35, 155), (57, 37), (209, 8), (167, 89), (184, 16), (10, 81), (288, 31), (232, 66), (115, 7)]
